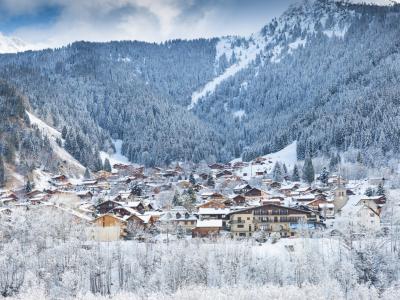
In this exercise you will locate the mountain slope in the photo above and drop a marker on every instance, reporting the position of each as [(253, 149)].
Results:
[(324, 74), (71, 165), (326, 78)]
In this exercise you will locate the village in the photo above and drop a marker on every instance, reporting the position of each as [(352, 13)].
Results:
[(205, 201)]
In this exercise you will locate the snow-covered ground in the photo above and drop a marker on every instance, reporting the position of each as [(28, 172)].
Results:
[(12, 44), (117, 157), (287, 156), (244, 56), (75, 168), (239, 114)]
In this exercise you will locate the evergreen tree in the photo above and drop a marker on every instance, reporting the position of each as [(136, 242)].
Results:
[(324, 176), (369, 192), (136, 190), (380, 190), (210, 181), (59, 142), (359, 158), (64, 132), (295, 175), (87, 174), (277, 172), (308, 171), (180, 232), (176, 200), (28, 186), (334, 162), (98, 164), (107, 165), (285, 172), (2, 172), (191, 179), (192, 195)]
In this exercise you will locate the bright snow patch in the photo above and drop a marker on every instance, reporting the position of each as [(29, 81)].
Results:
[(239, 114), (297, 43), (287, 156), (336, 32), (9, 44), (117, 157), (53, 134), (244, 57)]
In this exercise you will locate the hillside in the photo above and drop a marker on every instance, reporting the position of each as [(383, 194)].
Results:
[(324, 73), (326, 78)]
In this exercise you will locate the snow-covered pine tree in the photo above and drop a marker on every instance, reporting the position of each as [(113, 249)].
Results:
[(191, 179), (136, 190), (369, 192), (295, 174), (28, 186), (87, 174), (64, 132), (107, 165), (277, 172), (324, 176), (2, 172), (380, 191), (210, 181), (176, 200), (308, 171), (285, 172)]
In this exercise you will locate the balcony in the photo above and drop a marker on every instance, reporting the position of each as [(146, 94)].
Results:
[(237, 222)]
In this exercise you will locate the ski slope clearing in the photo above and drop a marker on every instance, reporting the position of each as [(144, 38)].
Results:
[(73, 166), (117, 157), (244, 56)]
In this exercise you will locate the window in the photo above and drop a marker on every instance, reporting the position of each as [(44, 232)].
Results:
[(239, 219), (240, 226), (248, 218)]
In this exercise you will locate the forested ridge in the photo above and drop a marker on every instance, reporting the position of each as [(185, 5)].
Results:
[(326, 76)]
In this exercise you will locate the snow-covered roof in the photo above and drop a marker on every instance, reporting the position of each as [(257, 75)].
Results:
[(213, 211), (145, 218), (209, 223), (326, 205), (304, 197), (133, 204)]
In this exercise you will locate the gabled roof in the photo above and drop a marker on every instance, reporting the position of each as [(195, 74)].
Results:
[(110, 215), (213, 211)]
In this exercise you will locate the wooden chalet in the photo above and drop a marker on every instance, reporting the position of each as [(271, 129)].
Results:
[(207, 228), (211, 204), (243, 188), (239, 199), (255, 194), (106, 206), (223, 173), (109, 227), (216, 166)]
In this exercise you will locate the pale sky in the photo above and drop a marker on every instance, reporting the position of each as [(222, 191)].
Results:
[(58, 22)]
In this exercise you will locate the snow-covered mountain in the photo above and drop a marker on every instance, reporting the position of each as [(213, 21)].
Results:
[(10, 44), (323, 74), (279, 38)]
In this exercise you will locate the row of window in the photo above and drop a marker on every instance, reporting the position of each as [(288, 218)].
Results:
[(258, 212), (283, 219)]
